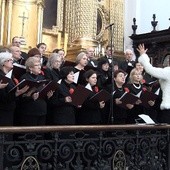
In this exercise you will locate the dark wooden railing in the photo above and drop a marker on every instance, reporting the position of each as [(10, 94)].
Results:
[(117, 147)]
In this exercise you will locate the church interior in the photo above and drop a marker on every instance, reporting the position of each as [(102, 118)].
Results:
[(68, 24), (115, 138)]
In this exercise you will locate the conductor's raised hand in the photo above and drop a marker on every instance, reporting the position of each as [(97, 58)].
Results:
[(141, 49)]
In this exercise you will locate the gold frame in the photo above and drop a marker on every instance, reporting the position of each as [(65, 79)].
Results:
[(105, 20)]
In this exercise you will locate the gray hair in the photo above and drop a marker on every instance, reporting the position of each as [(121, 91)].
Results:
[(30, 62), (4, 56), (80, 56), (128, 51), (53, 57)]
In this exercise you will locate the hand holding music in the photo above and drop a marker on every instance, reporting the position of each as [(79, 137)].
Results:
[(50, 94), (151, 102), (3, 85), (35, 96), (129, 106), (117, 101), (102, 104), (21, 91), (68, 99)]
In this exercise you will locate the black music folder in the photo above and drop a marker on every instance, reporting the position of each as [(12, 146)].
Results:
[(4, 79), (147, 96), (31, 84), (102, 95), (51, 86), (128, 98), (18, 70), (79, 95)]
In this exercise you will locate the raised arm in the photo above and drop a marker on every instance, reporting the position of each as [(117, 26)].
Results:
[(160, 73)]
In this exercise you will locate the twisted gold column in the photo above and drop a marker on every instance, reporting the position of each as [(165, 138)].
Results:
[(117, 17), (40, 6), (81, 21), (2, 23), (9, 21)]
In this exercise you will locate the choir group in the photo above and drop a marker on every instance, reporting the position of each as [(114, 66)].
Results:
[(49, 94)]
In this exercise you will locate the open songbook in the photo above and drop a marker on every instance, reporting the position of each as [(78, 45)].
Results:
[(102, 95), (128, 98), (144, 96), (50, 86), (31, 84), (79, 95), (4, 79), (18, 70), (147, 96)]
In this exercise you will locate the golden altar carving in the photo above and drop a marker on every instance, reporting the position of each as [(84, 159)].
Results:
[(78, 25)]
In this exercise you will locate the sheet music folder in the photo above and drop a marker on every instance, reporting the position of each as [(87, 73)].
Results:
[(127, 98), (80, 95), (18, 70), (51, 86), (146, 96), (31, 84), (102, 95), (4, 79)]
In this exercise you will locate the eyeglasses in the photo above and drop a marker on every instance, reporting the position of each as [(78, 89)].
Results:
[(37, 65), (9, 60), (17, 42), (57, 61)]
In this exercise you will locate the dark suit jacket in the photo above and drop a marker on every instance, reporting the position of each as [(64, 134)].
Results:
[(92, 63)]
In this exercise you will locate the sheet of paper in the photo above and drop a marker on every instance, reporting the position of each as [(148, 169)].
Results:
[(147, 119), (76, 76)]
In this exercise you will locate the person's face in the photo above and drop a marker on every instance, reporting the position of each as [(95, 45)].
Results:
[(90, 53), (139, 67), (42, 49), (16, 42), (16, 53), (120, 78), (137, 77), (62, 54), (108, 51), (36, 68), (128, 55), (116, 67), (105, 67), (57, 63), (83, 61), (70, 77), (8, 64), (92, 80)]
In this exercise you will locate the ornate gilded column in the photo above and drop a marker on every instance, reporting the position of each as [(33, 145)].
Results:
[(117, 17), (60, 11), (9, 20), (40, 6), (2, 24), (80, 21)]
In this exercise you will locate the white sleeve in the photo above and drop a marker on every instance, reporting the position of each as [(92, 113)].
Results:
[(160, 73)]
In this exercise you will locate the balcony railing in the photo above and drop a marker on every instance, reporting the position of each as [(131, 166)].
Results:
[(117, 147)]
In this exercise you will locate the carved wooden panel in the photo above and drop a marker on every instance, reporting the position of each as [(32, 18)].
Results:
[(158, 44)]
